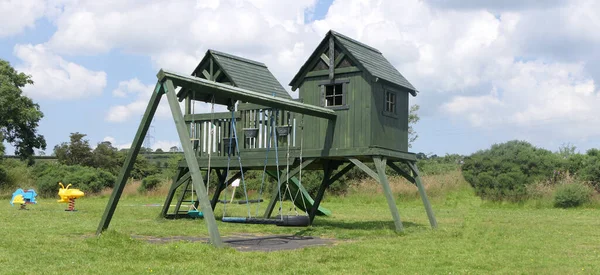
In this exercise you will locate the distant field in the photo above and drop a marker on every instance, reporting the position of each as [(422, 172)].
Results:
[(473, 237)]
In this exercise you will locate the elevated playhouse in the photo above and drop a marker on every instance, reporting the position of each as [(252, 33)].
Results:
[(352, 109)]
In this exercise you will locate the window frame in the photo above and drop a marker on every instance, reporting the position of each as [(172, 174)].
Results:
[(393, 113), (323, 86)]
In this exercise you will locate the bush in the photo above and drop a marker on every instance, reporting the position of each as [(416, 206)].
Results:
[(571, 195), (14, 173), (150, 183), (504, 171), (87, 179)]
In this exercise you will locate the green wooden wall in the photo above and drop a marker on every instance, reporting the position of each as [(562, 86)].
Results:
[(352, 126), (389, 131)]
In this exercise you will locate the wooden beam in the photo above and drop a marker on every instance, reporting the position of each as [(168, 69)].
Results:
[(327, 169), (223, 183), (206, 74), (430, 215), (217, 74), (338, 59), (331, 58), (401, 172), (192, 162), (380, 165), (223, 95), (365, 168), (130, 159), (342, 172), (275, 194), (325, 59), (181, 173)]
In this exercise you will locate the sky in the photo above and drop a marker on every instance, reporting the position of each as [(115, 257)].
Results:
[(487, 71)]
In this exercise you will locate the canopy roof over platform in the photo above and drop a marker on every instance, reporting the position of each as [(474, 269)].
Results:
[(239, 72), (209, 91)]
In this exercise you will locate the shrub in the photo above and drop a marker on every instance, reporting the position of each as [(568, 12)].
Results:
[(504, 171), (89, 180), (571, 195), (14, 173), (150, 183), (590, 170)]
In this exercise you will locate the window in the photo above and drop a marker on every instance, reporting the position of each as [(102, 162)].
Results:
[(390, 102), (334, 95)]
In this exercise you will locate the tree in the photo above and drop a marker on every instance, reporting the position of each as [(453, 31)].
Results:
[(105, 156), (159, 150), (19, 116), (77, 151), (413, 118), (174, 149)]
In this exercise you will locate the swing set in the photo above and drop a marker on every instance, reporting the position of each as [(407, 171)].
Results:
[(353, 107)]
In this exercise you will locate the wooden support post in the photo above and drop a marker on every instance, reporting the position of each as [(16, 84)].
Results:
[(327, 169), (192, 162), (380, 165), (417, 177), (111, 206), (365, 168), (275, 195), (180, 173), (186, 185), (401, 172), (223, 183)]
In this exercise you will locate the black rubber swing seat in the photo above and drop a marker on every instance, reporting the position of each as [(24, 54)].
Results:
[(279, 220), (241, 201)]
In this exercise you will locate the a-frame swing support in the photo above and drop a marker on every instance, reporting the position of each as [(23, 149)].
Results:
[(221, 94), (225, 95)]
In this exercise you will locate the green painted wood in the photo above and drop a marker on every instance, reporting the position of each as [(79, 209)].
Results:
[(401, 172), (224, 93), (223, 183), (327, 170), (337, 71), (275, 192), (380, 163), (304, 198), (428, 209), (341, 173), (339, 59), (365, 168), (331, 58), (367, 58), (130, 159), (181, 172), (192, 162), (186, 186)]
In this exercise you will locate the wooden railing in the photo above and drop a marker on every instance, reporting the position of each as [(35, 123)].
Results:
[(255, 128)]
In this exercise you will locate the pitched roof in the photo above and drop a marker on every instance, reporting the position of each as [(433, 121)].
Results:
[(246, 74), (369, 58)]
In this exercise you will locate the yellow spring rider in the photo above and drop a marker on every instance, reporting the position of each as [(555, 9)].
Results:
[(69, 195)]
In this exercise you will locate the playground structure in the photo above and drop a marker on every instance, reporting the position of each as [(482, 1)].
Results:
[(69, 196), (23, 198), (352, 110)]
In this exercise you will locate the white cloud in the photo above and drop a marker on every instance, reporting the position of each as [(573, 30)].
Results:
[(141, 94), (510, 63), (165, 145), (55, 77), (113, 142), (17, 15)]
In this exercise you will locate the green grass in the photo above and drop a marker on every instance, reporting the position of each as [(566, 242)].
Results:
[(473, 237)]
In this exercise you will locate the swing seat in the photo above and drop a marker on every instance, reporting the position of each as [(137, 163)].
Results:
[(195, 214), (300, 221)]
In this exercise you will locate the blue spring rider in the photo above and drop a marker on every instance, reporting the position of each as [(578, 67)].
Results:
[(23, 197)]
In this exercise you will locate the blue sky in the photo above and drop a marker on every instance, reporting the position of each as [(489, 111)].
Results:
[(486, 72)]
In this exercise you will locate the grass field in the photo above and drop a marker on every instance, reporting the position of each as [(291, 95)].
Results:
[(473, 237)]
